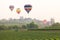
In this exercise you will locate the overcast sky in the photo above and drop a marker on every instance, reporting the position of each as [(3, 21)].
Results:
[(41, 9)]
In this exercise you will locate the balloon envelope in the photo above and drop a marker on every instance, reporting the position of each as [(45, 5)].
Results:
[(11, 7), (28, 8), (18, 10)]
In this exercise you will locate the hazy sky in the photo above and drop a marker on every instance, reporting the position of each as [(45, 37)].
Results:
[(41, 9)]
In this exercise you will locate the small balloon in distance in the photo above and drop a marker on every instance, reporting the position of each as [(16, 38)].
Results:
[(45, 21), (11, 7), (18, 10)]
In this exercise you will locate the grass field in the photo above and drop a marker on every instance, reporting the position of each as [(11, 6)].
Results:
[(29, 35)]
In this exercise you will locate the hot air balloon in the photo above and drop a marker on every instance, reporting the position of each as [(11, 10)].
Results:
[(28, 8), (18, 10), (11, 7), (44, 21)]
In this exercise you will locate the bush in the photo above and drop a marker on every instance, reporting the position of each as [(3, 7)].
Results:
[(3, 27)]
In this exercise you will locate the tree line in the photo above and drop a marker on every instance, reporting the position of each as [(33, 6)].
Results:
[(31, 25)]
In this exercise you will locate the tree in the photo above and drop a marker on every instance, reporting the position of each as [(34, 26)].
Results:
[(32, 25), (23, 27), (56, 24), (3, 27), (15, 27)]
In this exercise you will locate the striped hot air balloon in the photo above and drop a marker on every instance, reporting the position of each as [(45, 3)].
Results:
[(28, 8)]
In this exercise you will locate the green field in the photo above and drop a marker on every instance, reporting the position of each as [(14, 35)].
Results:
[(29, 35)]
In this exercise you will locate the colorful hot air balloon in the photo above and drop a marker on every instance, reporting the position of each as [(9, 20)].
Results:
[(11, 7), (18, 10), (28, 8)]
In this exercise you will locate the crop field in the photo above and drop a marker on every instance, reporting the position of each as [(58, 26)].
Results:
[(29, 35)]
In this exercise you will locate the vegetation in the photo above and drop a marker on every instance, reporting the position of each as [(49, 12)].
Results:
[(54, 26), (29, 35), (33, 33), (31, 25)]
